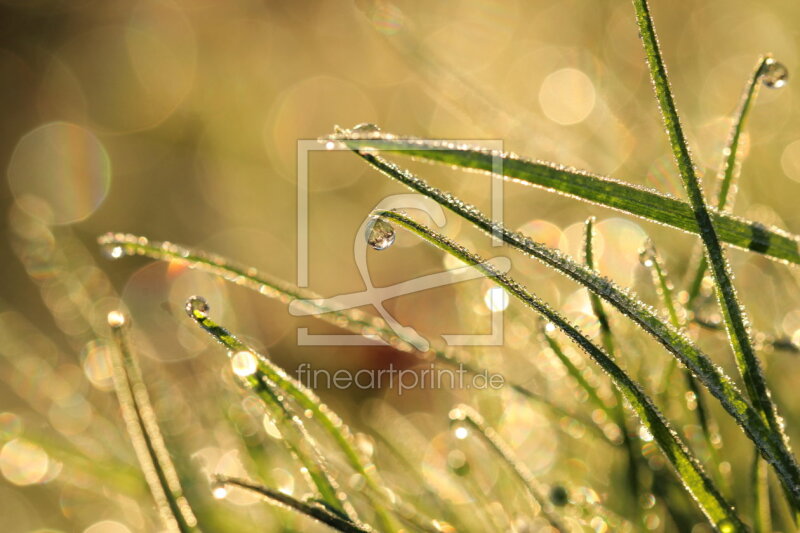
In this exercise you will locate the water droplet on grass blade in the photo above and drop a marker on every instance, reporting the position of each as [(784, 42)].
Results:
[(116, 319), (244, 363), (219, 490), (379, 234), (365, 128), (647, 255), (112, 251), (197, 307), (775, 75)]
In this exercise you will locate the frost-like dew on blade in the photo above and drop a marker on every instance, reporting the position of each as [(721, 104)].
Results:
[(722, 387), (642, 202), (688, 468), (142, 426), (736, 322), (271, 382)]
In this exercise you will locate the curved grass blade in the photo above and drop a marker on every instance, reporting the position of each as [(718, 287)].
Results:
[(772, 446), (648, 204), (651, 260), (253, 371), (315, 511), (142, 426), (697, 483), (116, 245), (733, 312), (607, 339), (327, 419), (729, 168), (465, 413)]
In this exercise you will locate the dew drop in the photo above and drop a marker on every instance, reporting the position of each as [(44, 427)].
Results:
[(112, 251), (496, 299), (116, 319), (775, 75), (647, 255), (244, 363), (197, 307), (379, 234), (219, 490), (366, 128), (461, 431)]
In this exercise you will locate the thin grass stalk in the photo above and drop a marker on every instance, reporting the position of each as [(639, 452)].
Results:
[(729, 169), (607, 339), (762, 515), (772, 446), (718, 511), (465, 413), (314, 511), (142, 426), (251, 369), (651, 260), (733, 312)]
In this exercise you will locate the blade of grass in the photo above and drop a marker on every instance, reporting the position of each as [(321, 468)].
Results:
[(465, 413), (645, 203), (729, 168), (772, 446), (733, 312), (253, 371), (761, 510), (695, 481), (116, 245), (140, 421), (651, 260), (607, 339), (316, 512), (321, 413)]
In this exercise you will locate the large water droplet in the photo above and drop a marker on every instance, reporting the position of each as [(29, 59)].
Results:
[(379, 233), (775, 75), (197, 307), (365, 128)]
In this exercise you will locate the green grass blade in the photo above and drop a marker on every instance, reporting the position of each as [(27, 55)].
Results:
[(253, 370), (651, 260), (645, 203), (140, 421), (761, 509), (697, 483), (729, 168), (116, 245), (466, 414), (771, 445), (339, 432), (314, 511), (733, 312), (607, 339)]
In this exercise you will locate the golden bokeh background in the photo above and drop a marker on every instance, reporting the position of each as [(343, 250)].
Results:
[(180, 119)]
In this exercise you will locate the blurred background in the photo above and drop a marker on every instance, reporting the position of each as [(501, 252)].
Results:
[(179, 120)]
